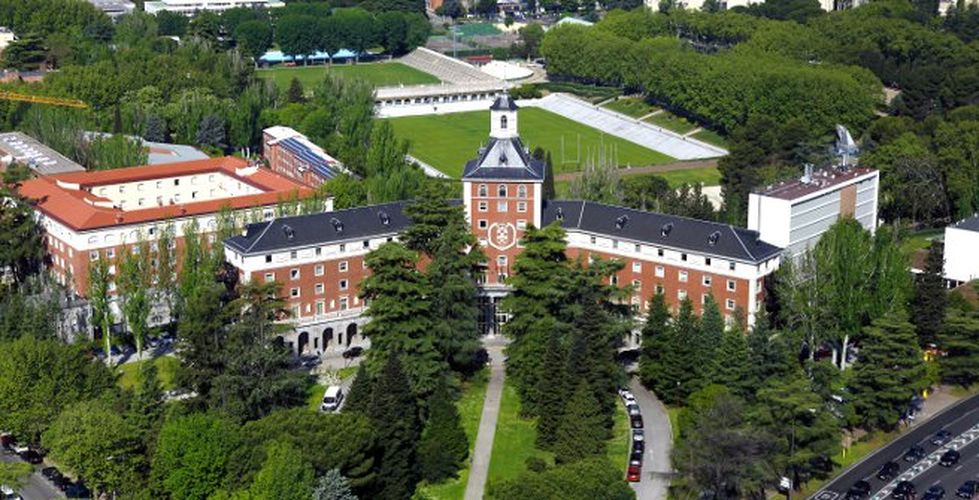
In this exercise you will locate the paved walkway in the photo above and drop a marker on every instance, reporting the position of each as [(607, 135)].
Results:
[(479, 470), (657, 468)]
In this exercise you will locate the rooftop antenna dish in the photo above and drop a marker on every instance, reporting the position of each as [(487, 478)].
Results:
[(846, 147)]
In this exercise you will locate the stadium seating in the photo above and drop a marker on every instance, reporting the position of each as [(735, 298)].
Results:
[(444, 67)]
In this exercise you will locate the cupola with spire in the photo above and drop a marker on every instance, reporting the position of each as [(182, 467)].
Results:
[(503, 117)]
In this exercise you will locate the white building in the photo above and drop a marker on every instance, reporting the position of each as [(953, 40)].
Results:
[(793, 215), (961, 243), (6, 37), (191, 7), (114, 8)]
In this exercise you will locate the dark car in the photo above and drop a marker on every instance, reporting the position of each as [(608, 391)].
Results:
[(31, 457), (888, 471), (51, 472), (941, 437), (914, 454), (77, 490), (904, 491), (935, 492), (353, 352), (949, 458), (859, 490), (635, 455), (636, 421), (638, 446), (969, 489)]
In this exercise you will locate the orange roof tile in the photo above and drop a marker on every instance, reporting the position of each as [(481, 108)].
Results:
[(75, 208)]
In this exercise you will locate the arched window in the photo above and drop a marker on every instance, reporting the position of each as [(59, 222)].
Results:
[(503, 122), (501, 191), (521, 191), (483, 191)]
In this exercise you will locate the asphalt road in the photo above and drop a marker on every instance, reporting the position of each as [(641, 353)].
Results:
[(962, 420), (37, 488), (654, 482)]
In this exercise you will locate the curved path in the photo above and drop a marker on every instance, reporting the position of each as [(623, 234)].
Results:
[(657, 468), (483, 451)]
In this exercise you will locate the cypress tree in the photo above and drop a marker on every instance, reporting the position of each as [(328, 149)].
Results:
[(655, 341), (553, 391), (930, 299), (360, 393), (680, 357), (732, 367), (581, 433), (395, 416), (296, 93), (708, 342), (444, 446), (455, 298)]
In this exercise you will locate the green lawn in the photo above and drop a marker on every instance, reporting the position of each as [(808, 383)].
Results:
[(378, 74), (617, 448), (314, 396), (920, 240), (470, 410), (514, 440), (476, 29), (672, 122), (166, 371), (708, 176), (448, 141), (631, 106), (711, 137)]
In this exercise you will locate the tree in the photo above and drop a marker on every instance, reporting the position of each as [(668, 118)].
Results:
[(93, 440), (554, 391), (960, 340), (392, 32), (589, 478), (25, 53), (734, 363), (443, 447), (145, 412), (599, 181), (545, 156), (645, 192), (655, 341), (284, 475), (193, 455), (171, 23), (329, 41), (889, 373), (452, 9), (708, 341), (134, 282), (201, 339), (333, 486), (211, 132), (15, 474), (361, 389), (582, 431), (254, 38), (18, 224), (401, 321), (930, 298), (39, 378), (678, 378), (395, 415), (155, 129), (531, 36), (296, 93), (296, 35)]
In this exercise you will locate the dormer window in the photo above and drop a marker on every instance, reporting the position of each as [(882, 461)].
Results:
[(501, 191), (503, 121)]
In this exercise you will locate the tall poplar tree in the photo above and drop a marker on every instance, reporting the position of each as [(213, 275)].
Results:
[(98, 296)]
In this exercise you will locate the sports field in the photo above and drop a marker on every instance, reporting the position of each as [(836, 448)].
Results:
[(447, 141), (378, 74)]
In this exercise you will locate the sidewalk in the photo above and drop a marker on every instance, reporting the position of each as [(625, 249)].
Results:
[(479, 470)]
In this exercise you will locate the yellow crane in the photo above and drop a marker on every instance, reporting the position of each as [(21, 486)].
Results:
[(37, 99)]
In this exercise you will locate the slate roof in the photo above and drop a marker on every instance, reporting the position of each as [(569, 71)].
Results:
[(504, 159), (668, 231), (317, 229), (504, 103), (970, 224)]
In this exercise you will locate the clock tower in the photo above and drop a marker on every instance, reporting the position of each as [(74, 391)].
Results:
[(502, 192)]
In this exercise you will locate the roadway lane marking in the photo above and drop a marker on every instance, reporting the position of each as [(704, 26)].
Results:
[(928, 462)]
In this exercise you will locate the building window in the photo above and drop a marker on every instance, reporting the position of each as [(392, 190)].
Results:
[(660, 272), (483, 190), (294, 274), (269, 277), (342, 266), (636, 285), (615, 243), (707, 280), (501, 206), (682, 276), (367, 243), (731, 265), (593, 240), (614, 280), (343, 284), (637, 267), (294, 292), (521, 224), (320, 307), (483, 206), (176, 182), (521, 191), (343, 247), (501, 261), (110, 253), (638, 248), (683, 257), (293, 255), (344, 303), (707, 261), (483, 224), (521, 206), (193, 195), (729, 303), (703, 298), (318, 270), (731, 285), (503, 121), (319, 251), (681, 294), (659, 252), (295, 312), (659, 289), (501, 191), (319, 289), (268, 258), (141, 201), (93, 255)]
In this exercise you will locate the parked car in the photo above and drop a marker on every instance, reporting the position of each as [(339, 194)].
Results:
[(635, 455), (914, 454), (633, 409), (332, 399), (941, 438), (31, 457), (859, 490), (636, 421), (50, 472), (935, 492), (638, 435), (6, 439), (888, 471), (353, 352), (633, 473), (949, 458), (78, 490), (638, 446), (969, 489), (309, 360), (904, 491)]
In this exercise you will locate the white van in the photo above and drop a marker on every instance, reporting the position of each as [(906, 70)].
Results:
[(332, 399)]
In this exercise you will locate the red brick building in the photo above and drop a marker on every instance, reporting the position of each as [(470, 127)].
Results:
[(319, 258), (290, 154)]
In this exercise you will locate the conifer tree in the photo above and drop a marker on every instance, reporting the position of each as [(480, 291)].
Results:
[(145, 410), (708, 342), (444, 446), (553, 391), (733, 364), (360, 393), (431, 215), (655, 340), (581, 433), (960, 340), (296, 93), (680, 358), (395, 416), (889, 373), (333, 486), (930, 299)]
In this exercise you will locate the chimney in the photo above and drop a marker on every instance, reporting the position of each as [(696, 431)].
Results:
[(807, 175)]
